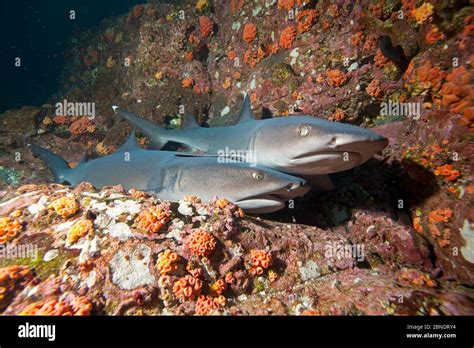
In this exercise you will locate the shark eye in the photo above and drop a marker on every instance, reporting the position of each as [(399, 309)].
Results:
[(303, 130), (257, 176)]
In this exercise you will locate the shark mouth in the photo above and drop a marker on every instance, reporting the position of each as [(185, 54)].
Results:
[(325, 162), (272, 201)]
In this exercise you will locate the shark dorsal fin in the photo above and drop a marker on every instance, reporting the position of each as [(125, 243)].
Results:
[(246, 112), (188, 121), (130, 144)]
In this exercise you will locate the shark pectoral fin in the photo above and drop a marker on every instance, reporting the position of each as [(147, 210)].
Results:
[(55, 163), (189, 121), (154, 132), (246, 112), (320, 182), (130, 144)]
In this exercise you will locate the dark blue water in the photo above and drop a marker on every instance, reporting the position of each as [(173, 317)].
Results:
[(37, 31)]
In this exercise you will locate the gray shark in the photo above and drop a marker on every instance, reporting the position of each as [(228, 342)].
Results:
[(171, 176), (299, 145)]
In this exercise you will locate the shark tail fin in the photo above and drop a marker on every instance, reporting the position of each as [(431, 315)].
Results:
[(57, 165), (154, 132)]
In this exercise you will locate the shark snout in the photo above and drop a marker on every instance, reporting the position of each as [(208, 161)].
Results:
[(365, 146)]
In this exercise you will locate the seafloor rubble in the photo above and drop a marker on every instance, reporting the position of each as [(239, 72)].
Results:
[(396, 237)]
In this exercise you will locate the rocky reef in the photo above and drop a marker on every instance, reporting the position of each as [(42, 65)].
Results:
[(395, 238)]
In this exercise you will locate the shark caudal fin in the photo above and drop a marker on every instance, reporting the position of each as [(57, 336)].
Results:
[(55, 163), (155, 133)]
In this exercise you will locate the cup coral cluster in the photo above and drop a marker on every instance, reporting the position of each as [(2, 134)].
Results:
[(206, 26), (305, 20), (287, 36), (206, 305), (78, 306), (201, 243), (153, 219), (250, 31), (10, 276), (259, 261), (80, 229), (167, 262), (9, 229), (458, 94), (336, 77), (187, 288), (65, 206)]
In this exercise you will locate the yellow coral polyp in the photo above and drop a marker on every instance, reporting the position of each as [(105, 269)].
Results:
[(65, 206), (423, 13), (80, 229), (153, 219), (9, 229), (167, 262)]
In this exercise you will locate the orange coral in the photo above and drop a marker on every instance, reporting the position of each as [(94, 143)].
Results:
[(287, 37), (371, 43), (428, 77), (167, 262), (187, 288), (218, 287), (338, 115), (458, 94), (11, 277), (9, 229), (206, 305), (356, 38), (374, 89), (206, 26), (79, 306), (434, 35), (80, 126), (65, 206), (252, 58), (380, 60), (306, 19), (227, 83), (250, 31), (136, 194), (286, 4), (222, 203), (423, 14), (187, 82), (237, 75), (439, 215), (448, 172), (333, 11), (336, 77), (259, 261), (417, 224), (80, 229), (272, 276), (231, 55), (201, 243), (189, 56), (153, 219)]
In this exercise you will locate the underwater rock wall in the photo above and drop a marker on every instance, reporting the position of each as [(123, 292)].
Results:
[(410, 209)]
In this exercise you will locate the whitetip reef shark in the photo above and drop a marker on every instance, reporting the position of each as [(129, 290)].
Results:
[(173, 175), (298, 145)]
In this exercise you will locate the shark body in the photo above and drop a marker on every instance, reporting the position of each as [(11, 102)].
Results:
[(171, 176), (298, 145)]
